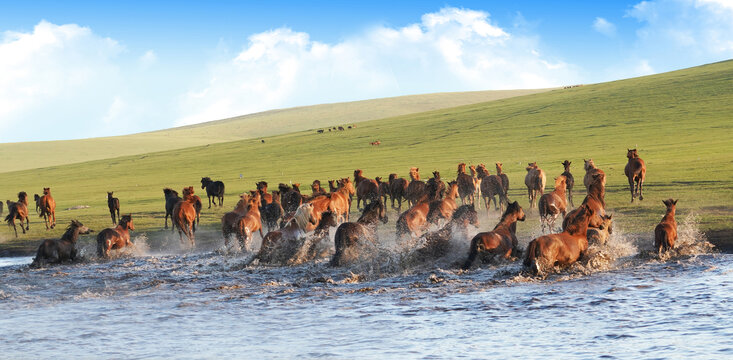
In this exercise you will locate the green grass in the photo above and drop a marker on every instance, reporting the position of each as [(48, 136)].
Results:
[(31, 155), (680, 122)]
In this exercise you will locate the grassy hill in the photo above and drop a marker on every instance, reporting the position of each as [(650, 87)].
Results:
[(680, 122), (31, 155)]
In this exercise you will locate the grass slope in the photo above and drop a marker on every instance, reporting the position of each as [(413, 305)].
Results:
[(30, 155), (680, 122)]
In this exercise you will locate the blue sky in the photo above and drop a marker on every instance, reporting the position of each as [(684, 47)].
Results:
[(89, 68)]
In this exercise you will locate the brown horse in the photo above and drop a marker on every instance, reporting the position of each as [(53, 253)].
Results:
[(434, 187), (504, 177), (438, 243), (491, 186), (117, 238), (18, 211), (332, 186), (271, 213), (284, 243), (415, 189), (414, 220), (57, 251), (340, 203), (476, 183), (229, 219), (570, 181), (665, 234), (37, 198), (590, 170), (553, 204), (561, 249), (595, 200), (366, 189), (397, 190), (113, 204), (317, 189), (291, 198), (350, 234), (249, 223), (535, 182), (48, 208), (320, 205), (501, 241), (171, 199), (308, 249), (265, 197), (466, 185), (599, 235), (444, 208), (184, 216), (384, 192), (635, 171)]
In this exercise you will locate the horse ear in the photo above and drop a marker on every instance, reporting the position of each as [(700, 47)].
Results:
[(675, 202)]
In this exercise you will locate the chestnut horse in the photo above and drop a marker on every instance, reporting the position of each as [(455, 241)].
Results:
[(18, 211), (595, 200), (414, 220), (569, 181), (553, 204), (562, 249), (590, 170), (384, 192), (635, 171), (665, 234), (599, 235), (350, 234), (415, 189), (366, 189), (264, 196), (466, 185), (117, 238), (229, 219), (397, 190), (491, 186), (57, 251), (171, 199), (48, 208), (438, 243), (284, 243), (113, 204), (320, 205), (443, 209), (340, 203), (249, 223), (501, 241), (476, 184), (184, 216), (535, 181), (504, 177)]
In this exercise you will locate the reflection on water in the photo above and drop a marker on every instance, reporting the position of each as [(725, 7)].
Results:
[(622, 301)]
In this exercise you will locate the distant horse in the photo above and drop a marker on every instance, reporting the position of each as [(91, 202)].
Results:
[(535, 182), (171, 199), (504, 177), (375, 143), (37, 199), (350, 234), (444, 208), (284, 243), (18, 211), (249, 223), (501, 241), (317, 189), (184, 216), (562, 249), (57, 251), (635, 171), (438, 243), (414, 220), (214, 189), (340, 203), (599, 235), (476, 184), (272, 212), (230, 218), (115, 238), (113, 204), (435, 188), (569, 181), (665, 234), (415, 189), (265, 197), (466, 185), (48, 208), (492, 186), (590, 170), (553, 204)]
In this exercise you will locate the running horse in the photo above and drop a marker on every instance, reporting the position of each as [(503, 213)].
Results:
[(18, 211), (113, 204), (438, 243), (171, 199), (60, 250), (635, 171), (502, 241), (535, 181), (351, 234), (466, 185), (415, 189), (553, 204), (570, 181), (284, 243), (115, 238), (48, 208), (340, 203), (184, 215), (665, 234), (214, 189), (397, 190)]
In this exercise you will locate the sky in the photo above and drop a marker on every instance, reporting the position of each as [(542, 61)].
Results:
[(77, 69)]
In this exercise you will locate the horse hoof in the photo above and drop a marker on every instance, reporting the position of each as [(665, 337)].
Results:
[(641, 197)]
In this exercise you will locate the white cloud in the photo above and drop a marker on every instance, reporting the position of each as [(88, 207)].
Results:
[(604, 27), (450, 50), (148, 59)]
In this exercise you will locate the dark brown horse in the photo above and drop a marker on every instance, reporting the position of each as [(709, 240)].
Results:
[(291, 198), (492, 186), (502, 241), (665, 234), (535, 182), (415, 189), (635, 171), (64, 249), (340, 203), (265, 197), (504, 178), (317, 189), (272, 213), (595, 200), (435, 187), (384, 191), (569, 181), (18, 211), (397, 190), (332, 186), (115, 238), (561, 249), (466, 185), (214, 189), (438, 243), (350, 234), (553, 204), (171, 199), (184, 216), (48, 208), (113, 204), (366, 189), (37, 199)]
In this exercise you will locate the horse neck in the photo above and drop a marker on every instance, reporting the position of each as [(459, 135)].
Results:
[(453, 194), (560, 190), (509, 222), (669, 215), (579, 229), (71, 234)]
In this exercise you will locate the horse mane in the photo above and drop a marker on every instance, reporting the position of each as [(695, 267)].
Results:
[(69, 233), (510, 209), (125, 219), (597, 191), (574, 222), (369, 209), (22, 196), (301, 215)]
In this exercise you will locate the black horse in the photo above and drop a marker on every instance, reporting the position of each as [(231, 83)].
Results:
[(64, 249), (214, 189), (113, 204), (350, 234), (171, 199)]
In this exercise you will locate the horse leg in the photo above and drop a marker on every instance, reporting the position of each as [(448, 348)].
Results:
[(631, 187), (166, 220), (54, 219), (641, 183), (209, 198), (14, 228)]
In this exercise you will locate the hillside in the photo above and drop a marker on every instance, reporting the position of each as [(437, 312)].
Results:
[(680, 122), (30, 155)]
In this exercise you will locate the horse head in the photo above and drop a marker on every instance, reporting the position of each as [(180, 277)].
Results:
[(498, 167), (632, 153), (126, 220), (515, 210), (462, 168), (566, 164), (46, 191), (205, 181), (560, 182)]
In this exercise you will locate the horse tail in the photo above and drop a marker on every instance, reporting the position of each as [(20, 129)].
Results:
[(12, 212), (472, 253), (542, 207), (533, 252)]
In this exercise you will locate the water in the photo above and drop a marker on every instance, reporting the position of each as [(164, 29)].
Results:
[(621, 302)]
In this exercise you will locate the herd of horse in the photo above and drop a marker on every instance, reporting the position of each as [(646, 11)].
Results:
[(297, 222)]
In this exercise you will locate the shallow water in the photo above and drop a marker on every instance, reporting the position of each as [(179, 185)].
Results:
[(620, 302)]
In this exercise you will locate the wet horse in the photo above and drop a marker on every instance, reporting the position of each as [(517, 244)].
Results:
[(272, 213), (214, 189), (308, 249), (466, 185), (595, 200), (18, 211), (590, 171), (115, 238), (599, 235), (113, 204), (665, 234), (60, 250), (535, 182), (553, 204), (230, 218), (284, 243), (414, 220), (171, 199), (249, 223), (48, 209), (635, 171), (351, 234), (184, 216), (502, 241), (340, 203), (443, 209), (438, 243), (561, 249)]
